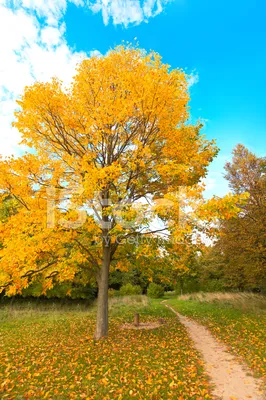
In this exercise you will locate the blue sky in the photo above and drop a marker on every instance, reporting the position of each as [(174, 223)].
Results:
[(222, 42)]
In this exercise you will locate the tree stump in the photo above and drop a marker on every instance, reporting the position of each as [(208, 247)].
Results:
[(136, 320)]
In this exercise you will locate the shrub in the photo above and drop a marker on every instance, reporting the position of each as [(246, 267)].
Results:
[(155, 291), (129, 289), (113, 292)]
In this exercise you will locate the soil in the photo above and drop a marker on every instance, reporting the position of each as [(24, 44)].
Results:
[(148, 325)]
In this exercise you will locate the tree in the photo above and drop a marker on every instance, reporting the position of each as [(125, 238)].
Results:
[(210, 270), (102, 151), (241, 248), (244, 239)]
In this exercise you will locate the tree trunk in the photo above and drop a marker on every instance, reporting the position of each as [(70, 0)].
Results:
[(181, 286), (102, 304)]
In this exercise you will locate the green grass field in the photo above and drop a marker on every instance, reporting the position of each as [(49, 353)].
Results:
[(238, 320), (51, 354), (48, 352)]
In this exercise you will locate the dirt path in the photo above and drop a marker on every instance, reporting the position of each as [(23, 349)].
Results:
[(231, 380)]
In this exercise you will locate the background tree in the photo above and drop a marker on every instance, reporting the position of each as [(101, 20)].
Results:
[(244, 239), (239, 256), (114, 141)]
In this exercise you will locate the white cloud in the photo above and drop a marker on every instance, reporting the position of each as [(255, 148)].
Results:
[(32, 51), (95, 53), (215, 182), (151, 8), (52, 10), (127, 12), (209, 183), (193, 78), (52, 36)]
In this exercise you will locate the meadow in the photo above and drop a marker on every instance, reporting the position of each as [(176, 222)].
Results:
[(49, 353)]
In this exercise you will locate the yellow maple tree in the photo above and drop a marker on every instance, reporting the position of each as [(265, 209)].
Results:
[(102, 149)]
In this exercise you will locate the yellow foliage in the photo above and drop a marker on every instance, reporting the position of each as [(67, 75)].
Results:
[(117, 136)]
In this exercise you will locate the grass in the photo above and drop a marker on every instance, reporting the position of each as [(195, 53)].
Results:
[(255, 303), (239, 320), (50, 354)]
